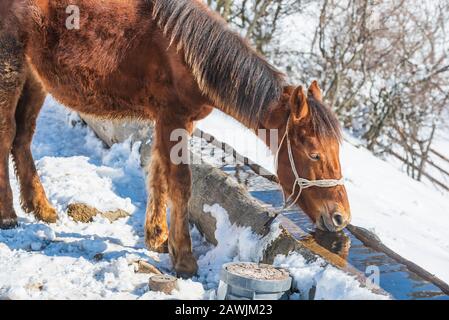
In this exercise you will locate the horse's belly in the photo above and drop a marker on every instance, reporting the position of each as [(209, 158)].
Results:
[(116, 95)]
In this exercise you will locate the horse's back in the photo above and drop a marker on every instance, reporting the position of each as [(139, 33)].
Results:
[(110, 64)]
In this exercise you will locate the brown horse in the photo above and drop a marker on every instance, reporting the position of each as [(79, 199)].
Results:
[(171, 61)]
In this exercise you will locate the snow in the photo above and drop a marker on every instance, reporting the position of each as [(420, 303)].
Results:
[(409, 217), (89, 178), (234, 244), (70, 260), (329, 282)]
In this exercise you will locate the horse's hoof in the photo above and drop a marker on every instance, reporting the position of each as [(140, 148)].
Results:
[(8, 223), (163, 248), (156, 240), (46, 214), (185, 275), (186, 267)]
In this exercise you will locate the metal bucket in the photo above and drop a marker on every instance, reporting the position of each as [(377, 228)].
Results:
[(252, 281)]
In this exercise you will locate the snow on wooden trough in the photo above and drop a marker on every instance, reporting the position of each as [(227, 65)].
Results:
[(213, 186)]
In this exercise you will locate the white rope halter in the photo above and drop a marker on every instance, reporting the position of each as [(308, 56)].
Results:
[(300, 183)]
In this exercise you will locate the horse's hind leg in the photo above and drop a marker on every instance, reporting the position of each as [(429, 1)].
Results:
[(12, 77), (33, 198), (8, 218)]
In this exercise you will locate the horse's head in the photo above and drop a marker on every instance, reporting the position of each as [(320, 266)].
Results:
[(308, 164)]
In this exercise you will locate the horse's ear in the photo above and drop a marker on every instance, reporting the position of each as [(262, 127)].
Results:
[(299, 106), (315, 91)]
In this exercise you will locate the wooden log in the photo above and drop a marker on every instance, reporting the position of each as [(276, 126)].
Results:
[(211, 186), (163, 283), (145, 267)]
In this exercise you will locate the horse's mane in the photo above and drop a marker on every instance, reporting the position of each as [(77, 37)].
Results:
[(324, 122), (228, 71)]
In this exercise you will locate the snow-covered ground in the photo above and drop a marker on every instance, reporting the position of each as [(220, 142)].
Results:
[(408, 216), (70, 260)]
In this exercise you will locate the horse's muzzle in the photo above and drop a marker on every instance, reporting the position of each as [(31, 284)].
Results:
[(332, 223)]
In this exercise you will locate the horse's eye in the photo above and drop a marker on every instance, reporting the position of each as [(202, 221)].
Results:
[(315, 156)]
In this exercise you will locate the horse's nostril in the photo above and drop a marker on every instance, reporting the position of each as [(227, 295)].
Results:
[(338, 219)]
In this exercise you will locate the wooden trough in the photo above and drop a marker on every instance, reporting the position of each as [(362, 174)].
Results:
[(213, 186)]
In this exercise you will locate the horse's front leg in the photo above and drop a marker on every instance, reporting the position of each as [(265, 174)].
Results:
[(156, 229), (173, 157), (179, 241)]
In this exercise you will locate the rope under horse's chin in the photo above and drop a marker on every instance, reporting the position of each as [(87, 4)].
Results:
[(300, 183)]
